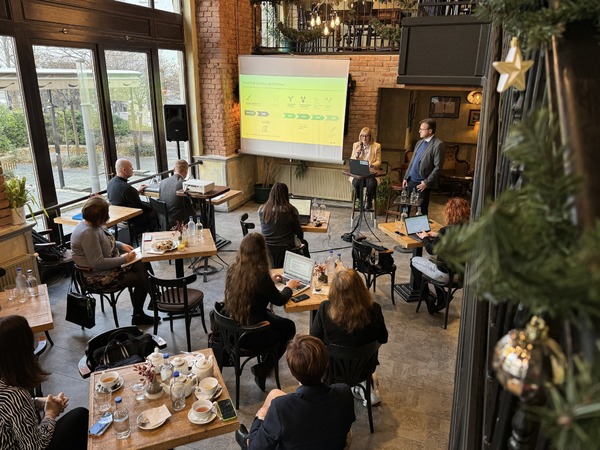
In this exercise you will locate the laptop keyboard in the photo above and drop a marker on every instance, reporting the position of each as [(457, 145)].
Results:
[(301, 286)]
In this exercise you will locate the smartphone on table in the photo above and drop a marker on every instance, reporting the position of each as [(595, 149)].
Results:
[(102, 424), (226, 410), (300, 297)]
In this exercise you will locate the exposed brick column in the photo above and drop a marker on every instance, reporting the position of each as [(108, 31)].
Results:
[(219, 42)]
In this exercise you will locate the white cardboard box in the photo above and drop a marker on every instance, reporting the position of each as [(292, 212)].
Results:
[(199, 186)]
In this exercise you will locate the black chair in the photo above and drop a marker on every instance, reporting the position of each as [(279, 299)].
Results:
[(233, 337), (110, 293), (174, 297), (372, 264), (161, 212), (447, 289), (52, 257), (246, 225), (353, 366)]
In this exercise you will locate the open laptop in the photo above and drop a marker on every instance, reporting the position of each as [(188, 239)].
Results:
[(303, 206), (359, 167), (297, 267), (415, 224)]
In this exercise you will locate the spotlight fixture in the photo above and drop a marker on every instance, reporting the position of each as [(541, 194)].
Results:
[(475, 97)]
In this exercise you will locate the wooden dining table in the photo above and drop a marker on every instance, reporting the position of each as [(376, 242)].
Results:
[(312, 227), (176, 431), (116, 214), (311, 304), (36, 310), (408, 291), (196, 248)]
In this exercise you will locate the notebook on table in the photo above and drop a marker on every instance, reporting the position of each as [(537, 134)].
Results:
[(416, 224), (303, 206), (297, 267), (360, 167)]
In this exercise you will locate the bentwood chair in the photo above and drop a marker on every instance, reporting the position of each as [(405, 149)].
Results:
[(110, 293), (174, 297), (447, 289), (246, 226), (161, 212), (353, 366), (373, 263), (234, 339)]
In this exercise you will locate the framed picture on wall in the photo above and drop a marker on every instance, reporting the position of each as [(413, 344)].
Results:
[(444, 107), (473, 117)]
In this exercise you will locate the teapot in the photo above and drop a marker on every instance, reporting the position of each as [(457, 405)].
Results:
[(190, 382), (203, 367), (180, 365), (156, 358)]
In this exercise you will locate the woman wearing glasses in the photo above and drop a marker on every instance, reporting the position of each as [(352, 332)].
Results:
[(366, 149)]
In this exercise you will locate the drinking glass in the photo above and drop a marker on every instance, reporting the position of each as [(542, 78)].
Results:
[(322, 209), (398, 223), (12, 292), (102, 398), (318, 284), (138, 390)]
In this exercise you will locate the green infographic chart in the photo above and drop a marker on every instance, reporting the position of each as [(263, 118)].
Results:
[(306, 110)]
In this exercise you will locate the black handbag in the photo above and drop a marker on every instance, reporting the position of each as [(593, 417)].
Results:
[(122, 345), (81, 308)]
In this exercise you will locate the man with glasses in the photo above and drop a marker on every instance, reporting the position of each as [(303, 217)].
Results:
[(367, 149), (425, 166)]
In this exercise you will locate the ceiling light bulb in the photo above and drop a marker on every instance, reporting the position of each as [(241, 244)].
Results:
[(337, 21), (326, 31), (312, 22), (332, 24), (318, 20)]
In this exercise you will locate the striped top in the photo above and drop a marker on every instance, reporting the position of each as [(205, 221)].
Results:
[(20, 427)]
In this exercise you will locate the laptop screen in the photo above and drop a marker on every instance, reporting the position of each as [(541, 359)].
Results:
[(298, 267), (302, 205), (417, 223)]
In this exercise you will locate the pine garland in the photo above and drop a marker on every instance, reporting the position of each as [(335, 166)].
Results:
[(302, 36), (524, 247), (536, 21)]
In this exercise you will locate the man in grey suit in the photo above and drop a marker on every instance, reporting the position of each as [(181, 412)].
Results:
[(425, 166), (179, 208)]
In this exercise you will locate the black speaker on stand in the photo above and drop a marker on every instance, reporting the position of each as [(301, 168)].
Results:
[(176, 124)]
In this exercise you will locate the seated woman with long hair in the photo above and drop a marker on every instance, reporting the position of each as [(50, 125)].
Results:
[(20, 372), (456, 211), (350, 317), (94, 248), (249, 288), (280, 224)]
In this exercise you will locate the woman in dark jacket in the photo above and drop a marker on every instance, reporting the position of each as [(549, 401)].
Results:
[(249, 289), (280, 224)]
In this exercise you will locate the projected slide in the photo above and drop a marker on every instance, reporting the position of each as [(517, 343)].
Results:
[(302, 110), (293, 107)]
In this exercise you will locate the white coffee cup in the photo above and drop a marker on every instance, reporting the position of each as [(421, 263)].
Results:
[(109, 379), (202, 409), (208, 385)]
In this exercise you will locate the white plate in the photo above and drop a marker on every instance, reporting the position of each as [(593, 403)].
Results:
[(148, 426), (202, 396), (164, 241), (192, 419), (118, 385)]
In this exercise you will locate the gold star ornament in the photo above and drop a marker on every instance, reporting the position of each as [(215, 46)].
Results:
[(512, 70)]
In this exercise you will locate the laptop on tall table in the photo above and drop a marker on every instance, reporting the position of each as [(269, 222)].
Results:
[(415, 224), (297, 267), (303, 206), (359, 167)]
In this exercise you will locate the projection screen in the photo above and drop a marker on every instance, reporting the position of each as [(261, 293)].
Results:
[(293, 107)]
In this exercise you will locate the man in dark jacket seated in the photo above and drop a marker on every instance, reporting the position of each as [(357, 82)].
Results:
[(120, 193), (314, 417)]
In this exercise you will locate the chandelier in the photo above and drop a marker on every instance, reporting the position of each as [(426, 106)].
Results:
[(317, 21)]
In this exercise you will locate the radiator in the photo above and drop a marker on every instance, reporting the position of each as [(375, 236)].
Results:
[(25, 262), (320, 182)]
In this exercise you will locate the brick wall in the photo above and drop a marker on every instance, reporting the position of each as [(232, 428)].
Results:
[(224, 31)]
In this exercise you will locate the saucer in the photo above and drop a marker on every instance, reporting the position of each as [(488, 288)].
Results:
[(202, 396), (210, 418), (118, 385), (148, 426)]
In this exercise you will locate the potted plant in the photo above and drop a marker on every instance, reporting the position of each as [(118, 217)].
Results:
[(381, 198), (269, 172), (19, 196)]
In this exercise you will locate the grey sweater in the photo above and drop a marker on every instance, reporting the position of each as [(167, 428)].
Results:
[(93, 247)]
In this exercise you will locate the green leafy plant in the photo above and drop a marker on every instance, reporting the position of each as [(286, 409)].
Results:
[(383, 189), (301, 169), (19, 195)]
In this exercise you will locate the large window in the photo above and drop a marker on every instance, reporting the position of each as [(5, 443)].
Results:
[(15, 149), (164, 5), (129, 92), (172, 84), (70, 104)]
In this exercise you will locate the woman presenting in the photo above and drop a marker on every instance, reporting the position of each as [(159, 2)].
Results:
[(366, 149)]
